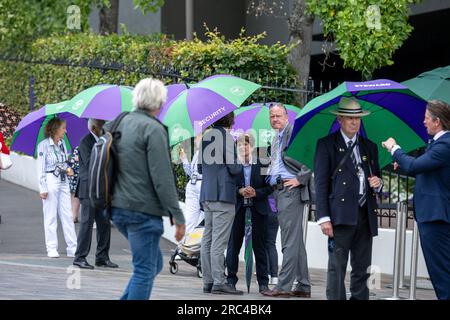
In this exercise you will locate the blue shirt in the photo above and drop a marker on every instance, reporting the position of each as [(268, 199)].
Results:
[(277, 167), (247, 174)]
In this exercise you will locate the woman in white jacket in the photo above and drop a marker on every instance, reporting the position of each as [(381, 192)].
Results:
[(53, 172), (192, 213)]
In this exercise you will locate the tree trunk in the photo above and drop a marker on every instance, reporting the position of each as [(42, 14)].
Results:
[(109, 18), (300, 27)]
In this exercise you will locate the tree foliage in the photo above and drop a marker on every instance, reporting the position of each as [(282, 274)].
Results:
[(366, 32), (21, 22), (243, 57)]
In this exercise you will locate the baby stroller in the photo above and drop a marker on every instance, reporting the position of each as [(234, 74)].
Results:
[(189, 251)]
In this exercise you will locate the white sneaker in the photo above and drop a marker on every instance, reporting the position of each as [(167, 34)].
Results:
[(273, 281), (53, 254)]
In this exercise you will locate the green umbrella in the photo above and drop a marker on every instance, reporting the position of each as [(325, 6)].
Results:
[(202, 104), (395, 112), (434, 84), (255, 119), (103, 101), (30, 131), (248, 255)]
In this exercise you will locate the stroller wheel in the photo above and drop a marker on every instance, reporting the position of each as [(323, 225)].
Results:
[(199, 273), (173, 268)]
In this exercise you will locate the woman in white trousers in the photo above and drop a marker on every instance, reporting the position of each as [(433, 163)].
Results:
[(192, 213), (53, 172)]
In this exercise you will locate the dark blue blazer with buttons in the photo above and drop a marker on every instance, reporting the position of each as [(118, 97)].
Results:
[(338, 198), (432, 187)]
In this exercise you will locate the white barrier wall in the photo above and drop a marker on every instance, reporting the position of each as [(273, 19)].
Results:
[(24, 173)]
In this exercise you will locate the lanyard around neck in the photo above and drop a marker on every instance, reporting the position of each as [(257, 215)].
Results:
[(56, 154)]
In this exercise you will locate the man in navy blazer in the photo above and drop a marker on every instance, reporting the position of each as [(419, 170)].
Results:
[(252, 192), (90, 214), (219, 168), (347, 178), (432, 194)]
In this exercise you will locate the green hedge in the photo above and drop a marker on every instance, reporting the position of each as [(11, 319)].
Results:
[(193, 60)]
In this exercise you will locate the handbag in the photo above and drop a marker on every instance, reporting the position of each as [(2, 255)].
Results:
[(5, 161)]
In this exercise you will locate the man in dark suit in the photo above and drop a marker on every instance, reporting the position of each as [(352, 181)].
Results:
[(290, 181), (252, 193), (219, 168), (432, 194), (347, 178), (89, 213)]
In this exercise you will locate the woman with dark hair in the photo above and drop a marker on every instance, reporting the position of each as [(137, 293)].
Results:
[(431, 193), (53, 172)]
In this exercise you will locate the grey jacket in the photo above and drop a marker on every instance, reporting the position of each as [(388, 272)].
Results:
[(219, 175), (301, 172), (145, 180)]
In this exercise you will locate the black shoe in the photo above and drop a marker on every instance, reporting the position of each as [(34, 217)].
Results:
[(232, 286), (106, 264), (83, 264), (225, 289), (207, 288), (263, 288)]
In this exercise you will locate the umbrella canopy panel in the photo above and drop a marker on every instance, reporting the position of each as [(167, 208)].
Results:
[(395, 112)]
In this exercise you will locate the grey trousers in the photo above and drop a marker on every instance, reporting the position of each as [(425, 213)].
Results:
[(219, 217), (295, 262)]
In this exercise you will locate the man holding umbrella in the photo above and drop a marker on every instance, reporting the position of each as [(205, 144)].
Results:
[(346, 177), (251, 206)]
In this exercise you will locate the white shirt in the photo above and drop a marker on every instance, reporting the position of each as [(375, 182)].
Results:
[(355, 149), (436, 136), (192, 168), (48, 155), (95, 136)]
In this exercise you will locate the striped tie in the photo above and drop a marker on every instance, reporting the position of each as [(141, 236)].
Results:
[(363, 197)]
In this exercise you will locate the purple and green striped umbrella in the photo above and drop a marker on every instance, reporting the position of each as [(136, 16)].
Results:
[(395, 112), (103, 101), (256, 119), (173, 90), (203, 103), (30, 131), (248, 246)]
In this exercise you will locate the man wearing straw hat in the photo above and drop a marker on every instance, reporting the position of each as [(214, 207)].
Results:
[(347, 178)]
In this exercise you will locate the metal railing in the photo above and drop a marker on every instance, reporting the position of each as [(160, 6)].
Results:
[(399, 255)]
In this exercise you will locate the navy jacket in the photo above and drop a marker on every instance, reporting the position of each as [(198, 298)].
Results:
[(84, 155), (338, 197), (432, 187), (262, 189), (218, 166)]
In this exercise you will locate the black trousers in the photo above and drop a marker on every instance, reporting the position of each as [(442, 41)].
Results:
[(87, 217), (259, 247), (271, 240), (358, 241)]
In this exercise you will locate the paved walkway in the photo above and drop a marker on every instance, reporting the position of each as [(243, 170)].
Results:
[(26, 272)]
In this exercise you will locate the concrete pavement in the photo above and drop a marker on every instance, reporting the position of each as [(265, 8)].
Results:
[(27, 273)]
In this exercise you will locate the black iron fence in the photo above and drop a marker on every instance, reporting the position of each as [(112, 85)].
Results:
[(396, 187)]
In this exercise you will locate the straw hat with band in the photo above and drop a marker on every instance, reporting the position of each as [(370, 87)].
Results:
[(350, 107)]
